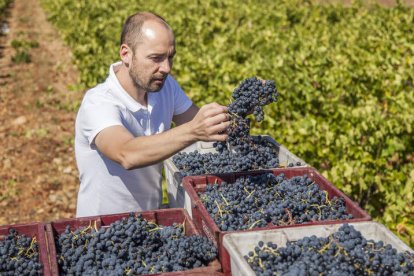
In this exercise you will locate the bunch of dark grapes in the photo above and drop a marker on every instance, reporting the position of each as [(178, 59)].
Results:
[(260, 154), (345, 252), (251, 95), (19, 255), (239, 134), (241, 152), (266, 199), (131, 246)]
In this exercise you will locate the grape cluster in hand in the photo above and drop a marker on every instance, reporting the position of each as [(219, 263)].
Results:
[(251, 95), (266, 199), (19, 255), (345, 252), (131, 246), (241, 152)]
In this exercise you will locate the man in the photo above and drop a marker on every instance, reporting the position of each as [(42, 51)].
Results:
[(123, 125)]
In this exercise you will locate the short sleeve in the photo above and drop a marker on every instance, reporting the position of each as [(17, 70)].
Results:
[(181, 101), (94, 117)]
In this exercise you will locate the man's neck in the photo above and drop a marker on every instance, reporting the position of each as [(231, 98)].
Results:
[(126, 82)]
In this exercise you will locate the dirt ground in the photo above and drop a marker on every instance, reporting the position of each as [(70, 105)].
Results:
[(38, 175)]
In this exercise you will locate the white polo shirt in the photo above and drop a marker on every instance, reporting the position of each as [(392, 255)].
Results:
[(105, 186)]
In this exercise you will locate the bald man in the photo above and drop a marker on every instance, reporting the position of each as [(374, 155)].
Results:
[(123, 125)]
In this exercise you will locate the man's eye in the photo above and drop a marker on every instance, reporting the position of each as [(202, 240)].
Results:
[(158, 59)]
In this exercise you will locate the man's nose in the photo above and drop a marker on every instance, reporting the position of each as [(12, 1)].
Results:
[(165, 66)]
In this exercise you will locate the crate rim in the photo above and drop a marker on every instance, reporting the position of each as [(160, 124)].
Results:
[(213, 267), (229, 240), (38, 230)]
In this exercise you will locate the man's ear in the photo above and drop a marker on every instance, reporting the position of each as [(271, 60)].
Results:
[(126, 54)]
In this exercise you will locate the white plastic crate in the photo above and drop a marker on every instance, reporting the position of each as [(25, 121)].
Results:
[(239, 244), (175, 190)]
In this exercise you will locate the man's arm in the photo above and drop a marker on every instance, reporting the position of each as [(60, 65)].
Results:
[(187, 116), (119, 145)]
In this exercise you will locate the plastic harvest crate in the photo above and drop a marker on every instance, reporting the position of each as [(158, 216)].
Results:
[(206, 224), (239, 244), (176, 195), (32, 230), (165, 217)]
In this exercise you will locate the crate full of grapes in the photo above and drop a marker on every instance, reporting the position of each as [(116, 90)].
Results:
[(202, 158), (260, 200), (162, 242), (23, 250), (361, 248)]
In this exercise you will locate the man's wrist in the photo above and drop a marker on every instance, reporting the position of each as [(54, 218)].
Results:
[(189, 134)]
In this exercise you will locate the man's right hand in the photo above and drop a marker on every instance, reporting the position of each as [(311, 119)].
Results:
[(210, 123)]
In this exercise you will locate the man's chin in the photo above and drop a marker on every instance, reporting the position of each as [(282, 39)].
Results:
[(154, 90), (156, 87)]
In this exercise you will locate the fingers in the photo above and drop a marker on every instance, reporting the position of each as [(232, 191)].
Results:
[(219, 118), (219, 137), (213, 105), (211, 122), (219, 128), (218, 132), (212, 109), (262, 80)]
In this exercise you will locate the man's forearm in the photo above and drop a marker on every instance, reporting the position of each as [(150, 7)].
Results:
[(119, 145), (148, 150)]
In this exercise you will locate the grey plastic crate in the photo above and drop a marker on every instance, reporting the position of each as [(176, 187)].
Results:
[(176, 195), (239, 244)]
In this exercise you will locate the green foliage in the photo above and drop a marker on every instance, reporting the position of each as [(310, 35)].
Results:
[(3, 6), (345, 76), (22, 48), (21, 56), (24, 44)]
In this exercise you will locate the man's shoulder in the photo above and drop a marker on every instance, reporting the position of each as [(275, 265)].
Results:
[(171, 87), (171, 82), (102, 92)]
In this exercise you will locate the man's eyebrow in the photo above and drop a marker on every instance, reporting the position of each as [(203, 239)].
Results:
[(161, 54), (156, 54)]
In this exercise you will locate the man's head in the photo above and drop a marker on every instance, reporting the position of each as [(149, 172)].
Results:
[(147, 50)]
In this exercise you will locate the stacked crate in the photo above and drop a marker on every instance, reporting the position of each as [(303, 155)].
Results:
[(165, 217), (183, 192), (239, 244), (36, 232), (47, 233), (194, 185)]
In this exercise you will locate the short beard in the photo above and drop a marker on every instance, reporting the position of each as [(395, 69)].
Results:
[(134, 75), (136, 81)]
